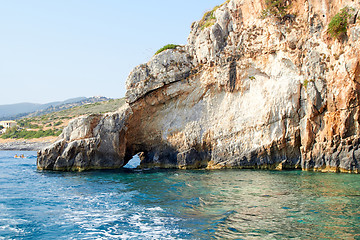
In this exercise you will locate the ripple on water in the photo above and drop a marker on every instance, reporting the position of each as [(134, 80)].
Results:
[(157, 204)]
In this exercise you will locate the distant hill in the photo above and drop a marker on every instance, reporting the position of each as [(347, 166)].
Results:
[(58, 120), (51, 124), (93, 108), (26, 110), (7, 111)]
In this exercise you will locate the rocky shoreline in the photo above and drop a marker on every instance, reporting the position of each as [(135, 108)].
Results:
[(24, 145)]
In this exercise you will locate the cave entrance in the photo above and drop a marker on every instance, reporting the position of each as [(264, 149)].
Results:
[(134, 162)]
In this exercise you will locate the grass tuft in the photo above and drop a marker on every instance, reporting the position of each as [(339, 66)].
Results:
[(209, 18), (166, 47)]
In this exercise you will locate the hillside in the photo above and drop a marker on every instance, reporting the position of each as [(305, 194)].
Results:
[(18, 110), (94, 108), (51, 124), (66, 105), (27, 110)]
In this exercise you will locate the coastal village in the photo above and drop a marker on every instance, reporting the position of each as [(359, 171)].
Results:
[(5, 125)]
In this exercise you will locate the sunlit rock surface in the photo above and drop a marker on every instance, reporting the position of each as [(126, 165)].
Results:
[(245, 92)]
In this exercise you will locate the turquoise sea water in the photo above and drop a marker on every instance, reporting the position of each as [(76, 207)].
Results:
[(174, 204)]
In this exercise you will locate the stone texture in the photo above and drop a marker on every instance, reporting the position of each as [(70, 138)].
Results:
[(89, 142), (164, 68), (244, 92)]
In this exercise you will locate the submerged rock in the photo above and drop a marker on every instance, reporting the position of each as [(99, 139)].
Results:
[(245, 92)]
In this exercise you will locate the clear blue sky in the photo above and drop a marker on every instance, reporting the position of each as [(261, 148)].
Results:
[(55, 50)]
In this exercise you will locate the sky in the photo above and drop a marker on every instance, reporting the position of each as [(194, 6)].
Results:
[(55, 50)]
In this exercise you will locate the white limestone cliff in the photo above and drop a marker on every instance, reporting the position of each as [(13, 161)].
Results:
[(245, 92)]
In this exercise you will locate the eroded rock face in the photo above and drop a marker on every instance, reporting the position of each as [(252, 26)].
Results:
[(245, 92), (91, 142), (164, 68)]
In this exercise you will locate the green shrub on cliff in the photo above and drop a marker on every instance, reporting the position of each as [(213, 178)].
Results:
[(169, 46), (305, 84), (338, 24), (275, 8), (209, 18)]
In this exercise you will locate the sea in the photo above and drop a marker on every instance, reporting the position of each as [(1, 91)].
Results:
[(133, 203)]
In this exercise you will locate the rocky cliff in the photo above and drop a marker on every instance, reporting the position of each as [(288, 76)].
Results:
[(249, 90)]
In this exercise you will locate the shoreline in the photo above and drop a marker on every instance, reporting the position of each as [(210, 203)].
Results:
[(25, 144)]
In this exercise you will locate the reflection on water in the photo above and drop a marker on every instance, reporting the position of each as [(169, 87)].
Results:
[(156, 204)]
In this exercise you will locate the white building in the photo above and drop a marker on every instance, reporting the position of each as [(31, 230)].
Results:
[(6, 125)]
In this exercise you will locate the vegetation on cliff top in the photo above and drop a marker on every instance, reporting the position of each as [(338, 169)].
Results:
[(209, 18), (166, 47), (339, 23)]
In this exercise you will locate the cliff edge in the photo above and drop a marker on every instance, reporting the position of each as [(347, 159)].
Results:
[(255, 87)]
